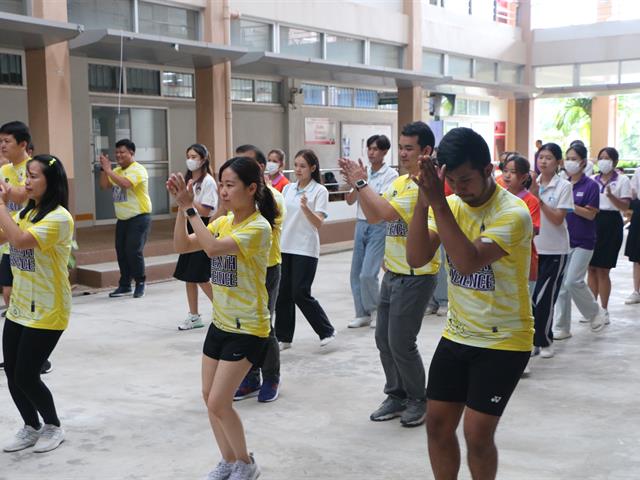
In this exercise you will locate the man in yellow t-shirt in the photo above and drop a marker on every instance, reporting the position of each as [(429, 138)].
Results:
[(129, 182), (405, 291), (487, 339)]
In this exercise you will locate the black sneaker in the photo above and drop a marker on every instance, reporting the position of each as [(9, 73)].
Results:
[(46, 368), (139, 291), (120, 292)]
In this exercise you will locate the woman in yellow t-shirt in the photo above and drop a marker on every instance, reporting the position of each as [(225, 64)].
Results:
[(40, 238), (238, 245)]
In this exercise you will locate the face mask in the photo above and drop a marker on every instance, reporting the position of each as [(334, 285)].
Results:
[(193, 165), (271, 168), (572, 167), (605, 166)]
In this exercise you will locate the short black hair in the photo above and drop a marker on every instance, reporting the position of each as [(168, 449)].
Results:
[(462, 145), (611, 152), (17, 130), (554, 149), (381, 141), (126, 143), (580, 150), (420, 130), (576, 142), (260, 158)]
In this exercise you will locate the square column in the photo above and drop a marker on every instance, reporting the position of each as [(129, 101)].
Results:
[(603, 123)]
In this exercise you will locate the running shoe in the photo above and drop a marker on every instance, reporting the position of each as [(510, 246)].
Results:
[(50, 438), (245, 471), (359, 322), (139, 291), (547, 352), (414, 414), (633, 298), (193, 320), (121, 292), (26, 437), (222, 471), (327, 340), (250, 386), (600, 320), (269, 390), (391, 407), (284, 345), (562, 335)]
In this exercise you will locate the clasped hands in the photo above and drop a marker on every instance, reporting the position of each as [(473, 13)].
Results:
[(181, 190)]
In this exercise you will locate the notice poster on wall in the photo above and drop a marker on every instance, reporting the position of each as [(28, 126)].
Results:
[(320, 131)]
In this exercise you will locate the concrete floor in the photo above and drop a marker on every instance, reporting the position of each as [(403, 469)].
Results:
[(127, 387)]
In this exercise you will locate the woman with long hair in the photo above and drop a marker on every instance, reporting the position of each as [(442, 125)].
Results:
[(195, 268), (40, 238), (238, 245)]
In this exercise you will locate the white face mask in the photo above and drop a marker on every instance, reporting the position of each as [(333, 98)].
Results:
[(605, 166), (193, 165), (572, 167), (271, 168)]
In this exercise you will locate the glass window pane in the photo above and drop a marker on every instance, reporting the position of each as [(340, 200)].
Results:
[(598, 73), (10, 69), (177, 84), (461, 106), (104, 78), (252, 35), (294, 41), (630, 72), (314, 94), (432, 63), (510, 73), (384, 55), (101, 14), (459, 67), (557, 76), (13, 6), (168, 21), (267, 91), (241, 90), (143, 82), (366, 98), (473, 107), (340, 97), (345, 49), (485, 71), (485, 108)]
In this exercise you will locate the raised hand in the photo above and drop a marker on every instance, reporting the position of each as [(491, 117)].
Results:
[(303, 201), (431, 180), (352, 171), (534, 189), (105, 163), (182, 191)]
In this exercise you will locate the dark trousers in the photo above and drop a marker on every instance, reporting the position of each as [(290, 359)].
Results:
[(550, 274), (271, 364), (131, 235), (298, 272), (25, 350)]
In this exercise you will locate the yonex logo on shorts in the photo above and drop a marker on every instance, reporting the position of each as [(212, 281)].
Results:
[(496, 399)]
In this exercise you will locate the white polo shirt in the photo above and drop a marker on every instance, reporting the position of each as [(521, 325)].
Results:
[(299, 236), (620, 187), (379, 181), (635, 184), (554, 239), (206, 193)]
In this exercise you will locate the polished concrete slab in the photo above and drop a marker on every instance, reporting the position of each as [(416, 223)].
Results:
[(127, 387)]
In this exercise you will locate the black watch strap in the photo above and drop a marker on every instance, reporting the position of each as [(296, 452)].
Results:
[(191, 212)]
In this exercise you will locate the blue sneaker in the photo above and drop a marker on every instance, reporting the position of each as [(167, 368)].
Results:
[(249, 387), (269, 390)]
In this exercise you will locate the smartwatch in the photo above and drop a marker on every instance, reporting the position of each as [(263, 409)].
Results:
[(361, 183), (191, 212)]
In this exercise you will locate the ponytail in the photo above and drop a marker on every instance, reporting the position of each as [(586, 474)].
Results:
[(267, 204)]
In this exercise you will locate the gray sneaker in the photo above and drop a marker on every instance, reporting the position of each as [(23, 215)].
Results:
[(392, 407), (26, 437), (414, 413), (50, 438), (222, 471), (245, 471)]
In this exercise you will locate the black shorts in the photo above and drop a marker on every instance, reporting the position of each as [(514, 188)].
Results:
[(6, 277), (232, 347), (481, 378)]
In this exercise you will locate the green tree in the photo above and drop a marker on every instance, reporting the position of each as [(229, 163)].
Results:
[(574, 115)]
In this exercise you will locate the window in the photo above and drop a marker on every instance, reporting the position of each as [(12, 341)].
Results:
[(485, 71), (432, 63), (630, 71), (384, 55), (13, 6), (459, 67), (472, 107), (241, 90), (345, 49), (510, 73), (484, 108), (598, 73), (461, 106), (294, 41), (101, 14), (267, 91), (169, 21), (177, 84), (340, 97), (314, 94), (104, 78), (467, 106), (557, 76), (143, 82), (10, 69), (367, 98), (252, 35)]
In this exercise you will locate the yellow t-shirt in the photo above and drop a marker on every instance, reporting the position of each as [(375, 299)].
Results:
[(275, 257), (14, 175), (41, 294), (240, 300), (403, 195), (133, 201), (491, 308)]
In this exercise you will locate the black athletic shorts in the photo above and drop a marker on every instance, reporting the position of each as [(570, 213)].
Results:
[(481, 378), (232, 347), (6, 277)]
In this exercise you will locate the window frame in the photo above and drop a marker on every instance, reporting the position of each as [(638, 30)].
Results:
[(276, 82), (23, 66)]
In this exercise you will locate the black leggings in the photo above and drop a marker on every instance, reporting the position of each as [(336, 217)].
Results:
[(25, 350)]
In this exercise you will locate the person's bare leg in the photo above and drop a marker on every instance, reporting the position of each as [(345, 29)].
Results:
[(592, 281), (192, 297), (6, 295), (206, 288), (209, 367), (604, 286), (482, 454), (444, 450)]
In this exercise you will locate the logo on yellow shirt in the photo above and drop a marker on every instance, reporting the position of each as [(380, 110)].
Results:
[(484, 280), (22, 259), (224, 270)]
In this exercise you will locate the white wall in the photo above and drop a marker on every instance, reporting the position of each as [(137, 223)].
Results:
[(13, 101)]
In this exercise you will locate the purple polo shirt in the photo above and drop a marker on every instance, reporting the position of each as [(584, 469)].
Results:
[(582, 232)]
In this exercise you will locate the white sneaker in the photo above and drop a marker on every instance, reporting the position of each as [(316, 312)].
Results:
[(245, 471), (432, 310), (359, 322), (561, 335), (284, 345), (50, 438), (633, 298), (193, 320), (374, 318), (327, 340), (584, 320), (547, 352), (600, 320), (26, 437), (527, 371)]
